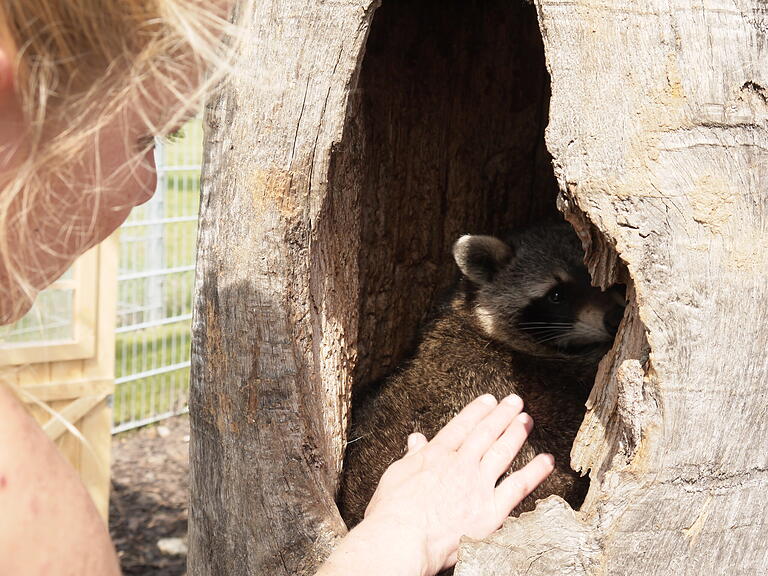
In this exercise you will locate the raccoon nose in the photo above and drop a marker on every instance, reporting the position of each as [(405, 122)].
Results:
[(612, 320)]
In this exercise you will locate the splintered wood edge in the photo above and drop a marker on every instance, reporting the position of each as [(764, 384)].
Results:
[(548, 540)]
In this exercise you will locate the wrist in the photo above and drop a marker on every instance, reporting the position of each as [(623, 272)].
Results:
[(381, 546), (401, 542)]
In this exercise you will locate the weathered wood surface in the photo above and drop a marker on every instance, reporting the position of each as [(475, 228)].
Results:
[(337, 175), (571, 550), (658, 132), (269, 370)]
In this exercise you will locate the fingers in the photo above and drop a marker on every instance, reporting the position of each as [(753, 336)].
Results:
[(416, 442), (501, 453), (488, 430), (519, 484), (454, 433)]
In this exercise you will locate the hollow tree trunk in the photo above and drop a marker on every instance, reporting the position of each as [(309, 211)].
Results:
[(357, 142)]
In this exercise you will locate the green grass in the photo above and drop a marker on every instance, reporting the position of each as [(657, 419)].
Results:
[(145, 350)]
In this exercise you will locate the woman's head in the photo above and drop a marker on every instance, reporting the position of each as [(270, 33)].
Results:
[(84, 86)]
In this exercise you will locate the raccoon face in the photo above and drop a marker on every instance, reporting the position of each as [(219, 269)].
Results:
[(534, 294)]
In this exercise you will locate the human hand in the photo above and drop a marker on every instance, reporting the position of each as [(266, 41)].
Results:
[(446, 488)]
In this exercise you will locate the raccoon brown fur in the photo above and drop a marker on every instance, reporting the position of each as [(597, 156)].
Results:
[(524, 319)]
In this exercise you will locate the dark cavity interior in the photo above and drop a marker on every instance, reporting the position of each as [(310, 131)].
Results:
[(444, 137)]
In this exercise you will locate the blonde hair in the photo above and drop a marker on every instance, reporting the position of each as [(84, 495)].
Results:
[(81, 64)]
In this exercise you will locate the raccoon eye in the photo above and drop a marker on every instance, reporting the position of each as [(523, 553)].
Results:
[(556, 297)]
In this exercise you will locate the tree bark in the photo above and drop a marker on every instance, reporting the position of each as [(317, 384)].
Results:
[(356, 143), (270, 368)]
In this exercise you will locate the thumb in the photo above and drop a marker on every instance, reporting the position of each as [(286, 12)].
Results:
[(416, 442)]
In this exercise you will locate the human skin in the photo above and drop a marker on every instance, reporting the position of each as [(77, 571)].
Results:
[(68, 217), (442, 490), (48, 525), (63, 226)]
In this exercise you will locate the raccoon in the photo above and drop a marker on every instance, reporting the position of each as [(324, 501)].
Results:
[(525, 319)]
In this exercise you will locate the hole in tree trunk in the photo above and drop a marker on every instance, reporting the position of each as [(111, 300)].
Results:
[(452, 103), (444, 137)]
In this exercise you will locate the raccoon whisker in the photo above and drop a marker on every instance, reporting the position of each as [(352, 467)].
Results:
[(549, 339), (546, 329), (545, 324), (555, 329), (353, 440), (534, 328), (548, 336)]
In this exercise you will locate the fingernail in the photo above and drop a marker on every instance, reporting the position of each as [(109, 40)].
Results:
[(489, 399), (513, 399), (413, 440), (525, 418), (549, 458)]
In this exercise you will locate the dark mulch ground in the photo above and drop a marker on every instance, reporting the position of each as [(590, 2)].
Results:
[(148, 505)]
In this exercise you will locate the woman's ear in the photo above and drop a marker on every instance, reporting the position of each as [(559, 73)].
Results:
[(481, 257)]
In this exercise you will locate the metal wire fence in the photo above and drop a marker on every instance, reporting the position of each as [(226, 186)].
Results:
[(155, 281), (51, 319)]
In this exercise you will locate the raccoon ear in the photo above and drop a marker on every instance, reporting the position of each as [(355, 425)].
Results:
[(480, 257)]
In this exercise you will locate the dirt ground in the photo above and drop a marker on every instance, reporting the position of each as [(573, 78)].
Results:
[(148, 505)]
